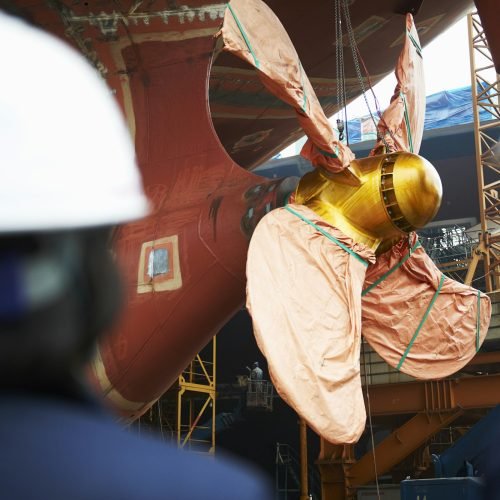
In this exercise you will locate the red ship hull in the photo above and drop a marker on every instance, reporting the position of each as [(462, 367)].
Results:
[(187, 118)]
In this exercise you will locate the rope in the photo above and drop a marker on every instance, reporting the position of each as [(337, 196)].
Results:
[(356, 53), (370, 423), (391, 270), (244, 35), (422, 321), (377, 104), (329, 236)]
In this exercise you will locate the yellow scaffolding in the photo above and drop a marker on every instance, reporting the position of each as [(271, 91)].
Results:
[(196, 402), (186, 412)]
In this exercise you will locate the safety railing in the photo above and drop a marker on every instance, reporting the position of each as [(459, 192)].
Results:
[(260, 395), (287, 475)]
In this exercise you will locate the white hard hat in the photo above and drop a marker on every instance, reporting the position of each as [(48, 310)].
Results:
[(66, 158)]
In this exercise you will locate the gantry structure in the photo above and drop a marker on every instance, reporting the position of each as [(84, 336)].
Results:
[(485, 96)]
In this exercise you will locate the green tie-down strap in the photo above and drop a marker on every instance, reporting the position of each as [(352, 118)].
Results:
[(415, 43), (330, 155), (391, 270), (244, 35), (329, 236), (304, 101), (478, 319), (422, 322), (407, 122)]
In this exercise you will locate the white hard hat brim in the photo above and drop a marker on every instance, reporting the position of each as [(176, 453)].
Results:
[(51, 218), (67, 157)]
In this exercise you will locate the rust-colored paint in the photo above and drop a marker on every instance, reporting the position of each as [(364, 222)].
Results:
[(334, 461), (433, 405), (485, 358), (396, 447), (341, 474), (199, 195), (439, 395)]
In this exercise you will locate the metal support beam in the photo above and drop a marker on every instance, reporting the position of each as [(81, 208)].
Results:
[(304, 489), (485, 358), (396, 447), (334, 462), (479, 253), (434, 404), (433, 396)]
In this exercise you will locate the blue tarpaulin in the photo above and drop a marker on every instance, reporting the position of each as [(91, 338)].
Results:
[(444, 109), (451, 107)]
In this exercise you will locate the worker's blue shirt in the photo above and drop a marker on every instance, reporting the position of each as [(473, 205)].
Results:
[(492, 491), (56, 449)]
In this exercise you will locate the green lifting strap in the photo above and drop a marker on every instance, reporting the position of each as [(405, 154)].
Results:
[(421, 324), (330, 155), (478, 320), (304, 101), (329, 236), (244, 35), (415, 43), (407, 122), (391, 270)]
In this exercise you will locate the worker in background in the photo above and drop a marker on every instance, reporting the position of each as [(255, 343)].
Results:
[(67, 176), (255, 388), (256, 373)]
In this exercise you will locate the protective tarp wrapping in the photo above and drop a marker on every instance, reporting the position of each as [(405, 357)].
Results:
[(252, 32), (425, 330), (304, 295), (402, 124)]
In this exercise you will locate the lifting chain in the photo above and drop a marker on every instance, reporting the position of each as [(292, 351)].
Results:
[(339, 66), (343, 5)]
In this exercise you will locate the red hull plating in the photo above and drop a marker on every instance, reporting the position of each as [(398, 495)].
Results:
[(157, 61), (204, 205), (200, 200)]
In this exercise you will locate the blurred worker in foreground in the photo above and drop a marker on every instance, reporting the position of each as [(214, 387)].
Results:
[(492, 476), (67, 175)]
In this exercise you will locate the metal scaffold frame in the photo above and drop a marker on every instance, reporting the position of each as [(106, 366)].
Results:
[(196, 402), (485, 95), (185, 414)]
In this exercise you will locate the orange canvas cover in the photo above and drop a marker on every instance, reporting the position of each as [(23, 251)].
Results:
[(419, 321), (402, 123), (307, 295), (304, 295), (252, 32)]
